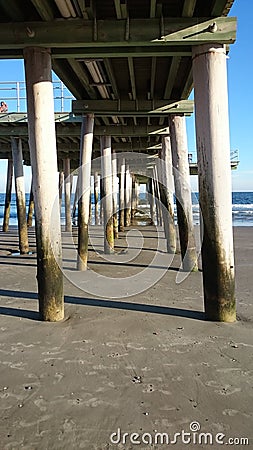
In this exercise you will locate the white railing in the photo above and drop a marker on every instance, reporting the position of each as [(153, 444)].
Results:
[(14, 94), (234, 157)]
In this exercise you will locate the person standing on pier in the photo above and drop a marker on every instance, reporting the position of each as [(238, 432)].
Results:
[(3, 107)]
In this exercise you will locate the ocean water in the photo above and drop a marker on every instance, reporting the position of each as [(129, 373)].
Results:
[(242, 209)]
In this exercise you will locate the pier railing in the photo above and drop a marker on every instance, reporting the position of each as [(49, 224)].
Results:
[(14, 94), (234, 158)]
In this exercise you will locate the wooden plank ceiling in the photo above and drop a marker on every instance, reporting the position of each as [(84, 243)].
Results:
[(122, 71)]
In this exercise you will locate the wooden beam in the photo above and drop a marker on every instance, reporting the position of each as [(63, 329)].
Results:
[(188, 11), (66, 79), (82, 54), (172, 76), (113, 52), (124, 11), (110, 74), (117, 9), (131, 107), (44, 9), (117, 130), (63, 150), (159, 10), (188, 8), (86, 11), (152, 8), (83, 77), (188, 86), (132, 77), (112, 33), (152, 77)]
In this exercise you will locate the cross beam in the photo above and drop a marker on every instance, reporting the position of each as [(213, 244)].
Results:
[(85, 53), (132, 107), (117, 33), (99, 130), (72, 149)]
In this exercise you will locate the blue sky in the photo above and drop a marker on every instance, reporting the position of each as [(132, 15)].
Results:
[(240, 75)]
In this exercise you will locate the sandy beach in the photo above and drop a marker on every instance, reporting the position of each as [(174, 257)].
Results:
[(146, 363)]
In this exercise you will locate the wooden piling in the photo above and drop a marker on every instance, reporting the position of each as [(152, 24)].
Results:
[(16, 145), (183, 192), (165, 177), (90, 209), (31, 208), (122, 195), (96, 191), (7, 206), (102, 194), (157, 197), (42, 142), (213, 146), (84, 190), (106, 168), (133, 198), (115, 194), (67, 194), (150, 189), (61, 182), (75, 201), (137, 191), (128, 191)]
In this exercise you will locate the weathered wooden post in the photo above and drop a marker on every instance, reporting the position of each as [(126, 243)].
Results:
[(102, 194), (84, 190), (137, 193), (115, 194), (7, 206), (17, 155), (106, 168), (133, 198), (90, 209), (61, 182), (212, 131), (96, 183), (128, 192), (42, 141), (150, 190), (165, 177), (67, 194), (183, 192), (122, 195), (75, 201), (157, 197), (31, 208)]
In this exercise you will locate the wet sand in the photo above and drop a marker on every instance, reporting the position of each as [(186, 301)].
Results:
[(142, 363)]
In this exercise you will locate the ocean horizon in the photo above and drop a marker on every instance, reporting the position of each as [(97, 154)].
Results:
[(242, 207)]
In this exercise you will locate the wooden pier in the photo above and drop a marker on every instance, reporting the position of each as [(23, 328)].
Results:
[(131, 69)]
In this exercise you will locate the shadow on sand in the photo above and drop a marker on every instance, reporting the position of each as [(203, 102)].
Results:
[(99, 303)]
